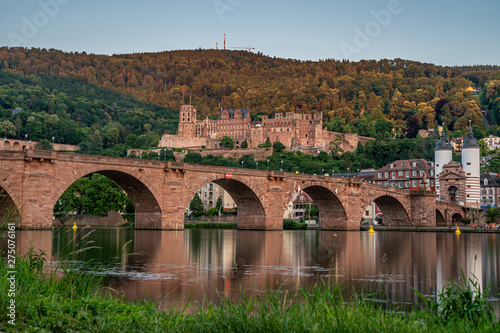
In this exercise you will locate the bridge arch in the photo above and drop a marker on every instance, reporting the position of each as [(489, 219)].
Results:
[(251, 211), (332, 214), (148, 213), (394, 211), (9, 210), (440, 221)]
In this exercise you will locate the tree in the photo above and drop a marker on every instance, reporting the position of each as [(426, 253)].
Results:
[(383, 128), (227, 142), (335, 146), (218, 204), (492, 214), (96, 195), (196, 206), (43, 144), (483, 147), (266, 144), (278, 147), (244, 144), (412, 127), (7, 128)]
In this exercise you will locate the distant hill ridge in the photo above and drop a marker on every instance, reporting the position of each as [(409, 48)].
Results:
[(214, 79)]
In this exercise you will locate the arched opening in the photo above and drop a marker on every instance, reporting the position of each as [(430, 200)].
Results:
[(440, 221), (7, 145), (456, 218), (250, 212), (8, 209), (227, 200), (96, 195), (453, 194), (331, 212), (394, 212), (17, 146)]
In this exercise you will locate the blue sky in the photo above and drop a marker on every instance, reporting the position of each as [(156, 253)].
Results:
[(442, 32)]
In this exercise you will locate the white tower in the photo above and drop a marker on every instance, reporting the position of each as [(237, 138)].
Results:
[(470, 165), (442, 156)]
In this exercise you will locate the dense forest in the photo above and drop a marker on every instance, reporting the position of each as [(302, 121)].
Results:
[(107, 104)]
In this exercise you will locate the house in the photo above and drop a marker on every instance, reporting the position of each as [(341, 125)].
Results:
[(406, 174)]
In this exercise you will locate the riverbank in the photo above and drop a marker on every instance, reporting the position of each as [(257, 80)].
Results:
[(453, 229), (61, 300)]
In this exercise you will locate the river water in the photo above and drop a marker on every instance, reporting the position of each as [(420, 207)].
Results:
[(172, 267)]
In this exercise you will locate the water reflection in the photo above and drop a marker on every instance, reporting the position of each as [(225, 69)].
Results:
[(172, 266)]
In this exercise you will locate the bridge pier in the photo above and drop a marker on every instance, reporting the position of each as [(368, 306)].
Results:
[(423, 208)]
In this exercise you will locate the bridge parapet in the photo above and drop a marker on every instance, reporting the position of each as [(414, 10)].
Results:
[(41, 155)]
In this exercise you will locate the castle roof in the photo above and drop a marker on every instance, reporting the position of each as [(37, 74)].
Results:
[(232, 111)]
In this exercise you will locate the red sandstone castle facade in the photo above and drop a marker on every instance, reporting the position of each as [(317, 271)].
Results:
[(303, 132)]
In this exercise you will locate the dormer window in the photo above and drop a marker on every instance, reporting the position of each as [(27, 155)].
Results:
[(485, 182)]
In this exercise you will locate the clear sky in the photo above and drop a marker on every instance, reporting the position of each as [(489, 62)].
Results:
[(442, 32)]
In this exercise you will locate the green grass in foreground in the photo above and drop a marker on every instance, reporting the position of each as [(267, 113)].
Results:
[(72, 303)]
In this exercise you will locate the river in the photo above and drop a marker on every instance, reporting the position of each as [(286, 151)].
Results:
[(172, 267)]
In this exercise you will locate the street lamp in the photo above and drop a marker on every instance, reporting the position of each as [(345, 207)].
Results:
[(281, 165), (26, 141), (140, 154), (242, 164), (267, 164), (52, 143), (29, 143), (333, 172), (159, 155), (5, 140), (165, 154), (182, 159), (219, 211), (322, 172), (257, 164)]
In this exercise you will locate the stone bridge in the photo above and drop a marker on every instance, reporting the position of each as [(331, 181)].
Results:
[(32, 181)]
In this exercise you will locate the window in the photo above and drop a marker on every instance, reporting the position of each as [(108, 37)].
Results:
[(400, 173), (414, 183), (407, 174), (367, 213), (422, 173), (407, 184), (379, 175), (386, 175), (431, 183), (414, 173), (431, 173), (468, 163), (414, 164), (393, 175)]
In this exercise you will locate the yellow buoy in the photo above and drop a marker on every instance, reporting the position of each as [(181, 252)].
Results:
[(458, 231), (371, 231), (74, 226)]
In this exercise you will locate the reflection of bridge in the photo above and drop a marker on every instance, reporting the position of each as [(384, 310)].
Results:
[(34, 180)]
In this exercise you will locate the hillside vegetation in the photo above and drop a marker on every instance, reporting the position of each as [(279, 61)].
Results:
[(109, 103)]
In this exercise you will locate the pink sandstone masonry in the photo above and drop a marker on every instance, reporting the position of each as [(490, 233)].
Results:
[(34, 180)]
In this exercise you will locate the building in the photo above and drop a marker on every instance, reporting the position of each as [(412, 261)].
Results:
[(406, 174), (455, 182), (493, 142), (301, 203), (210, 193), (490, 190), (296, 131)]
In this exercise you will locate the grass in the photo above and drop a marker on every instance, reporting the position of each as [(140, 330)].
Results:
[(61, 300), (211, 225)]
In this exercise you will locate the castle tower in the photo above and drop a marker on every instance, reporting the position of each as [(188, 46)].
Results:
[(442, 155), (470, 165), (187, 122)]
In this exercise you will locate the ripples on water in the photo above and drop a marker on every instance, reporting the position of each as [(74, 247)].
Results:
[(172, 266)]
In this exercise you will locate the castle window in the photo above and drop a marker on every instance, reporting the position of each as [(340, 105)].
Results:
[(468, 163), (468, 173)]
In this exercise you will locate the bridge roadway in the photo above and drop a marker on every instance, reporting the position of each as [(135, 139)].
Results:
[(32, 181)]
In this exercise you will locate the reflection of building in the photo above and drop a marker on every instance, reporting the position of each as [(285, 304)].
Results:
[(458, 183), (296, 131), (406, 174)]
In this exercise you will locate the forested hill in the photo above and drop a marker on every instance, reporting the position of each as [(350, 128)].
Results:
[(231, 79), (99, 100), (79, 113)]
